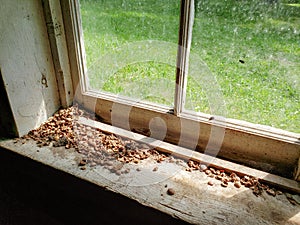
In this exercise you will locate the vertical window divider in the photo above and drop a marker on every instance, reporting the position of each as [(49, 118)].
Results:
[(184, 45)]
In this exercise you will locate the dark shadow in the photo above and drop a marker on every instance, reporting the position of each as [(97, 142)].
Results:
[(32, 193), (7, 123)]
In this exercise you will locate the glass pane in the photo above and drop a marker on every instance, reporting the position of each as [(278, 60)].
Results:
[(131, 47), (252, 53)]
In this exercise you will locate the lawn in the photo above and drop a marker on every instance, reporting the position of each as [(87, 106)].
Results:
[(251, 49)]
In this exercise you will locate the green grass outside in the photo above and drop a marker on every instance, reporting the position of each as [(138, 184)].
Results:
[(266, 36)]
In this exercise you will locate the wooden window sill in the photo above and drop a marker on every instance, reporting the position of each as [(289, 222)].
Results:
[(193, 200)]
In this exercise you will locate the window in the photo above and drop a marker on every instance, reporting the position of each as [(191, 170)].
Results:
[(131, 83), (131, 47), (250, 47)]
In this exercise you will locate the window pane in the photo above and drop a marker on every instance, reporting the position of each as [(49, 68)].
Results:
[(252, 49), (131, 47)]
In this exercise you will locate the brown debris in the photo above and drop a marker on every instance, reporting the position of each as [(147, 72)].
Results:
[(272, 192), (210, 183), (224, 184), (170, 191), (82, 162), (231, 177), (98, 147), (112, 152), (237, 184)]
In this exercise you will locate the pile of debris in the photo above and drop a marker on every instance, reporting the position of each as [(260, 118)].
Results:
[(100, 148), (96, 146), (231, 177)]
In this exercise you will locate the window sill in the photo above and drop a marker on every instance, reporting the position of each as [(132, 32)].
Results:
[(193, 201)]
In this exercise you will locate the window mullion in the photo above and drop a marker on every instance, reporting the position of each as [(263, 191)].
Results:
[(184, 45)]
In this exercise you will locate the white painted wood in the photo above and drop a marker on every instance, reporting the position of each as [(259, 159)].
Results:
[(71, 41), (83, 84), (184, 45), (26, 63), (56, 32)]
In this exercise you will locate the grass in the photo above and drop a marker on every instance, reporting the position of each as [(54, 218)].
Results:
[(265, 36)]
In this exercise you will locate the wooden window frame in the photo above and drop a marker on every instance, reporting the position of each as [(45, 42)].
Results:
[(261, 147)]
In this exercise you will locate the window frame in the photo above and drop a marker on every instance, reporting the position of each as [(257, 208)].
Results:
[(262, 147)]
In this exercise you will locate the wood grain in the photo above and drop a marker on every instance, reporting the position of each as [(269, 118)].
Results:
[(193, 200), (184, 153)]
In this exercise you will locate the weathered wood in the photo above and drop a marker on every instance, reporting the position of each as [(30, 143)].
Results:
[(193, 201), (71, 42), (297, 171), (187, 154), (26, 64), (257, 151), (57, 38)]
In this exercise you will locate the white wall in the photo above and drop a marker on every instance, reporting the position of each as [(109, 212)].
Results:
[(25, 59)]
